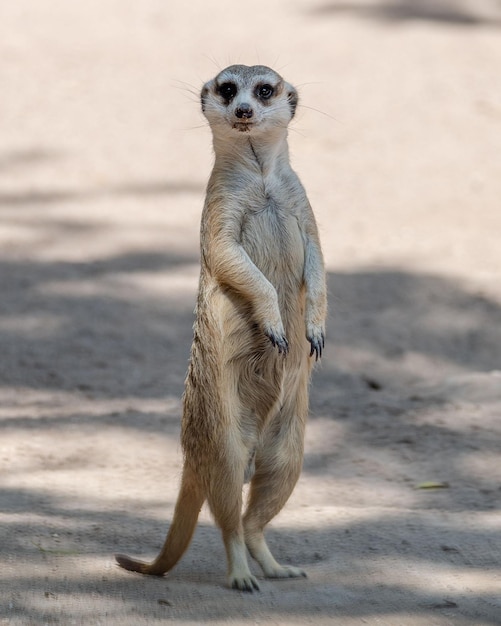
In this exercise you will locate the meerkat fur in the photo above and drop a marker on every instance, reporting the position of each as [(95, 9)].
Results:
[(260, 318)]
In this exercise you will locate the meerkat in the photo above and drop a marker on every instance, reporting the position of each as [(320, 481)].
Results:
[(259, 320)]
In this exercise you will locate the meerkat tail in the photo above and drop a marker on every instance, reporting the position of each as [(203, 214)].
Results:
[(190, 500)]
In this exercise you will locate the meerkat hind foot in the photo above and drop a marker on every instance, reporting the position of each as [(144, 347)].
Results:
[(285, 571), (271, 568), (242, 582)]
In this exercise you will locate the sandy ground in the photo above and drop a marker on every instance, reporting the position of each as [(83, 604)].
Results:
[(103, 161)]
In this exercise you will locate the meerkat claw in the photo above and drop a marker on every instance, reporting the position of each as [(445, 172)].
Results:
[(279, 342), (316, 347)]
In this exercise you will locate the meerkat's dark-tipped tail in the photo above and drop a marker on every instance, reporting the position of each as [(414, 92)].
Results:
[(189, 502)]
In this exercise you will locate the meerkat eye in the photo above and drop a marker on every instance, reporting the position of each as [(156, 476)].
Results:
[(227, 91), (265, 91)]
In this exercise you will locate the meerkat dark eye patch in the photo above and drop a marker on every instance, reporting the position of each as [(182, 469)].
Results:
[(265, 91), (227, 91)]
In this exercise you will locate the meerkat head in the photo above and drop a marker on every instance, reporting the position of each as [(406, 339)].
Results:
[(247, 99)]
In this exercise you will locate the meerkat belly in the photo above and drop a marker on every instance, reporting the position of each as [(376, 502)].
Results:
[(273, 240)]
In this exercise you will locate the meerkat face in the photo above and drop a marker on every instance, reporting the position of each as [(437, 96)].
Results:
[(248, 100)]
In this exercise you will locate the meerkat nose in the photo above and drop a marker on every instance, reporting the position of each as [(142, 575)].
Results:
[(244, 110)]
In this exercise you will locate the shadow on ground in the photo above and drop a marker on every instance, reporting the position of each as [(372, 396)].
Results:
[(196, 589), (107, 341), (66, 325), (442, 12)]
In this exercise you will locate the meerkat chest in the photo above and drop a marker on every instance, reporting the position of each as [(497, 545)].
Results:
[(272, 237)]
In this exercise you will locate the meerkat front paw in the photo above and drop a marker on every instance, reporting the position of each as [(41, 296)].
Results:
[(278, 339), (316, 337)]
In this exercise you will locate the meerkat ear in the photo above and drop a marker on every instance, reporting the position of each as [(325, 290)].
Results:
[(292, 98), (205, 92)]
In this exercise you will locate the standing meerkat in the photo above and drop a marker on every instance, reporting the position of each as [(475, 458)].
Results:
[(260, 318)]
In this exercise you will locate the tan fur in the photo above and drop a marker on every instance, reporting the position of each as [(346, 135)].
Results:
[(259, 318)]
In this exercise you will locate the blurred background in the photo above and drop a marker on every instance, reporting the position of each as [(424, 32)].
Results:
[(399, 130), (104, 158)]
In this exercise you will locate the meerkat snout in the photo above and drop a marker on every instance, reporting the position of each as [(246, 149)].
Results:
[(244, 110)]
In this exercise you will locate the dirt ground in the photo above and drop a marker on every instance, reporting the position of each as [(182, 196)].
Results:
[(104, 156)]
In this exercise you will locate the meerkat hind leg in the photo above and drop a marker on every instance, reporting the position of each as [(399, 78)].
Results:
[(239, 576), (225, 502), (259, 550), (277, 471)]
